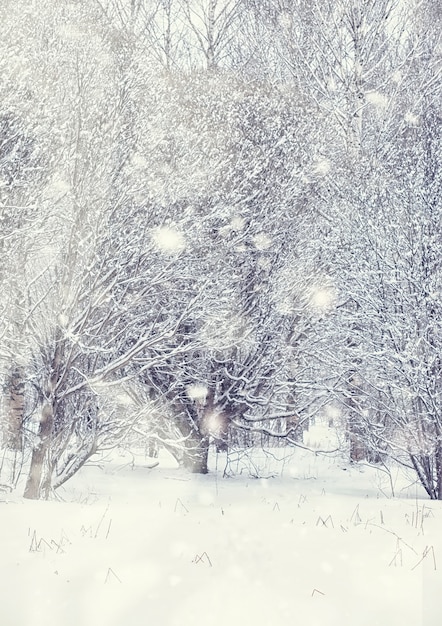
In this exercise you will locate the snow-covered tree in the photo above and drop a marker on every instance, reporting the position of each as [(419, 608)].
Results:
[(385, 330), (92, 287), (30, 137), (225, 159)]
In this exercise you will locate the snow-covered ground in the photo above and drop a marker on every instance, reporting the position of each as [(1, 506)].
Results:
[(323, 544)]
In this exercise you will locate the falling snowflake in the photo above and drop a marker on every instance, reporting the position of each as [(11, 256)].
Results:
[(377, 99), (262, 241), (197, 392), (237, 223), (411, 119), (58, 185), (123, 399), (321, 167), (214, 423), (321, 297), (139, 161), (169, 239), (63, 320)]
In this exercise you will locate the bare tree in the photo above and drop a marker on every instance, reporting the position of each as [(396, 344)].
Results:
[(385, 330), (213, 25), (88, 319), (241, 217), (347, 57), (28, 143)]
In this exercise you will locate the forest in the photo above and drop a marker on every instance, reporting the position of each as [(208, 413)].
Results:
[(220, 221)]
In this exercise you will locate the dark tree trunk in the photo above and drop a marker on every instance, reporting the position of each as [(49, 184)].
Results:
[(40, 455), (423, 469), (196, 455), (355, 426), (13, 435), (358, 451)]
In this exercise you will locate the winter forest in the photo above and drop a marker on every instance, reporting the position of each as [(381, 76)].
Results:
[(220, 222)]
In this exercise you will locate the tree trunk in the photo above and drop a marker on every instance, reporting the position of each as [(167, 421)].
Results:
[(196, 456), (355, 426), (423, 469), (34, 483), (12, 435), (357, 447)]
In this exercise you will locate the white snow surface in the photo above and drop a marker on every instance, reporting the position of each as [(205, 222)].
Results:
[(322, 544)]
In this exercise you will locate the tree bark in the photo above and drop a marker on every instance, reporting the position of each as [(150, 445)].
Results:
[(12, 436), (34, 482), (196, 456)]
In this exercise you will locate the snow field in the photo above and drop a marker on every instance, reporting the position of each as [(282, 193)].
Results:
[(321, 545)]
